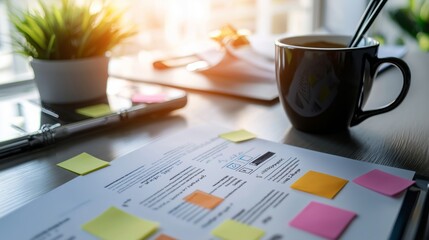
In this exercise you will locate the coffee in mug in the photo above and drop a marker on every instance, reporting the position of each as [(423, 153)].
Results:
[(323, 84), (323, 44)]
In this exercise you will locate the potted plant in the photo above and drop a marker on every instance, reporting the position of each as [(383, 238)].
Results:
[(414, 20), (68, 45)]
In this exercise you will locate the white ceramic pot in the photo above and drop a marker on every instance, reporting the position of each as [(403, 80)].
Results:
[(71, 81)]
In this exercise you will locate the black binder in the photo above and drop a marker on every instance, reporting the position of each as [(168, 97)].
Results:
[(412, 221)]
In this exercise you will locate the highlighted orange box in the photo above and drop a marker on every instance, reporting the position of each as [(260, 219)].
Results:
[(203, 199)]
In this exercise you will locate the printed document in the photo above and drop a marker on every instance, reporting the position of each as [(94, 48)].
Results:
[(192, 182)]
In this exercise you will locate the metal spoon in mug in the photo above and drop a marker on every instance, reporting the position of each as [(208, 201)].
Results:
[(370, 14)]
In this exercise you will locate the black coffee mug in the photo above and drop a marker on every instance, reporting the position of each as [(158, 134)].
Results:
[(323, 84)]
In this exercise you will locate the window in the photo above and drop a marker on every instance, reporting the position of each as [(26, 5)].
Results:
[(12, 68), (167, 24)]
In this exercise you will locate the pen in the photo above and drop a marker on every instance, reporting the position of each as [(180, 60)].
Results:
[(49, 134)]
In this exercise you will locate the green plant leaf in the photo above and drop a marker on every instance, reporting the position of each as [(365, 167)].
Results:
[(36, 30), (59, 21), (51, 45), (406, 20), (66, 30), (423, 40)]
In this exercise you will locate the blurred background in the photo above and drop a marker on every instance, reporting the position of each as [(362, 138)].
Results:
[(169, 24)]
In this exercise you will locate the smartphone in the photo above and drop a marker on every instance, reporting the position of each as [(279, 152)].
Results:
[(123, 100), (123, 97)]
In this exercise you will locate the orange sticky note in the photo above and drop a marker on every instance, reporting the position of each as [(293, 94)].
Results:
[(319, 184), (203, 199)]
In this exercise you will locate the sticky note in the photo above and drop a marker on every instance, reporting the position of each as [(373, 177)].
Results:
[(164, 237), (238, 136), (83, 164), (117, 224), (319, 184), (203, 199), (94, 111), (323, 220), (384, 183), (233, 230), (144, 98)]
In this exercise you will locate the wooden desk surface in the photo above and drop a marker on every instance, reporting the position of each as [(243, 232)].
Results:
[(398, 138)]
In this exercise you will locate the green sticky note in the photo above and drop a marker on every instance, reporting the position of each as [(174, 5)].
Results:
[(94, 111), (117, 224), (83, 164), (233, 230), (238, 136)]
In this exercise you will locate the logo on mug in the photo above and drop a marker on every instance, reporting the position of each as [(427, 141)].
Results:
[(312, 91)]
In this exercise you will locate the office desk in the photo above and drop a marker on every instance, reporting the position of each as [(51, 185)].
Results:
[(398, 138)]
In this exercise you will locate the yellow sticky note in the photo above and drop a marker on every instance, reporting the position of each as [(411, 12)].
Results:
[(117, 224), (320, 184), (203, 199), (238, 136), (94, 111), (83, 164), (233, 230)]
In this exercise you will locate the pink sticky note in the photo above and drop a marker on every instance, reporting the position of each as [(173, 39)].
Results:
[(323, 220), (383, 182), (144, 98)]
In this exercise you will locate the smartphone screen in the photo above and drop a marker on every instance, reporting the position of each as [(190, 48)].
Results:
[(25, 116), (18, 119)]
